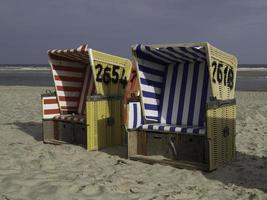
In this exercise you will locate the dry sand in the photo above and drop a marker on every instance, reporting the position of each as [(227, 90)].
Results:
[(30, 169)]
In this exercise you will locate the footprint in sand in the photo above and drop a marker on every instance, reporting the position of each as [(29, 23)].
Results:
[(91, 190)]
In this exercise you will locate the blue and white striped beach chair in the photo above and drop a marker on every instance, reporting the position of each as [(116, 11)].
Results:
[(183, 89)]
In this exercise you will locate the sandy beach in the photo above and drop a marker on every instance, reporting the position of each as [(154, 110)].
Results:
[(30, 169)]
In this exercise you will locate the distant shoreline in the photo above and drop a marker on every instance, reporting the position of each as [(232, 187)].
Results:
[(261, 72), (22, 68), (241, 72)]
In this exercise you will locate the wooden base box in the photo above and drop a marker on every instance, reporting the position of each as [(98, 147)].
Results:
[(183, 151), (80, 134)]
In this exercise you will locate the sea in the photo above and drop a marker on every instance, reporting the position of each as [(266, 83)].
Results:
[(40, 75)]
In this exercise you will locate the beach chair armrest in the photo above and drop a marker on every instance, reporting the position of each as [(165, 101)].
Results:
[(220, 103), (221, 118), (135, 118), (50, 107)]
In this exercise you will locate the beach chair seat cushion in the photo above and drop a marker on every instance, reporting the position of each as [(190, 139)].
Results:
[(135, 121), (135, 118), (170, 128)]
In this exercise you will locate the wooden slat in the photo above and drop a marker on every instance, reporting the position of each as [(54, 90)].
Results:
[(132, 143), (174, 163)]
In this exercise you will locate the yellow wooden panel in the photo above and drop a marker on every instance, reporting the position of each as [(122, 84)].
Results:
[(221, 144), (222, 72), (104, 121), (111, 73), (117, 128), (91, 125)]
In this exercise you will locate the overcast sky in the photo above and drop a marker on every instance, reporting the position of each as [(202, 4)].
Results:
[(28, 28)]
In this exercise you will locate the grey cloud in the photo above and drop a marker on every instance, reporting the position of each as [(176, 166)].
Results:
[(30, 27)]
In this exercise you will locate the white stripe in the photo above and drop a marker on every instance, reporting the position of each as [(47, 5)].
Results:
[(145, 126), (155, 127), (152, 113), (50, 106), (179, 57), (177, 129), (202, 131), (198, 93), (153, 55), (187, 93), (68, 94), (68, 83), (189, 130), (151, 77), (67, 73), (139, 115), (53, 97), (167, 128), (191, 57), (151, 101), (150, 64), (199, 54), (66, 63), (50, 116), (130, 115), (166, 94), (148, 88), (68, 103), (177, 93), (80, 48)]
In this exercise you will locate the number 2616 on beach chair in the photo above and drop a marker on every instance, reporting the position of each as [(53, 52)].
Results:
[(187, 110)]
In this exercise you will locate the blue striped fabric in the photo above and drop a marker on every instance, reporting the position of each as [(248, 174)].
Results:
[(174, 128), (185, 95), (134, 115), (174, 85)]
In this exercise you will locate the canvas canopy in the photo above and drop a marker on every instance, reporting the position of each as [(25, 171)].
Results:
[(82, 72)]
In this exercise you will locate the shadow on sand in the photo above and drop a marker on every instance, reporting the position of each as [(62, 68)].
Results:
[(33, 129), (248, 171)]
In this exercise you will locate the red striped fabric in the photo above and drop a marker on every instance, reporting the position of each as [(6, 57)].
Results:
[(50, 101), (66, 78), (50, 107), (51, 111), (64, 98), (72, 78), (69, 69), (68, 88)]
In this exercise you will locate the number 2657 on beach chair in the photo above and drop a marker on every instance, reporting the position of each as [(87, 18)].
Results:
[(187, 109)]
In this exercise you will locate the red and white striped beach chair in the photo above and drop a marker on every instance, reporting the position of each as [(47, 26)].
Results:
[(80, 76), (73, 81)]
